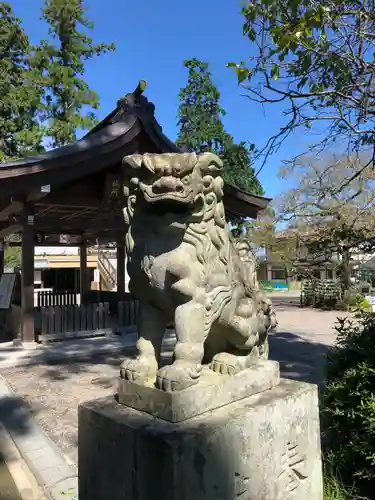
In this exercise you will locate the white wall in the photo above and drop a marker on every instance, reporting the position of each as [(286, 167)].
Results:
[(60, 250), (38, 276), (127, 279), (57, 250)]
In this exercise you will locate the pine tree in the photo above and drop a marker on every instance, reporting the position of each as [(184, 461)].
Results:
[(238, 170), (20, 132), (201, 128), (199, 114), (61, 62)]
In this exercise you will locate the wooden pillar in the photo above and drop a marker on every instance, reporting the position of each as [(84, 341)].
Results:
[(27, 278), (2, 253), (269, 272), (121, 263), (83, 276)]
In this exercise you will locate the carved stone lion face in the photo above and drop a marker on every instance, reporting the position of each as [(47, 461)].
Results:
[(169, 181)]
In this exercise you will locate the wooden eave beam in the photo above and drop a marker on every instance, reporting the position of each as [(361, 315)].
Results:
[(7, 228), (60, 226), (73, 202), (242, 204), (13, 207)]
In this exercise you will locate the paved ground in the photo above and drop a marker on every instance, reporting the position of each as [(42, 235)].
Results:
[(28, 451), (53, 390), (302, 339)]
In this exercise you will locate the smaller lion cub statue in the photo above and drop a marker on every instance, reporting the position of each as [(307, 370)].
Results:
[(185, 269)]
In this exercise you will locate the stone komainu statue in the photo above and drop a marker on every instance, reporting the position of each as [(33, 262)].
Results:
[(184, 268)]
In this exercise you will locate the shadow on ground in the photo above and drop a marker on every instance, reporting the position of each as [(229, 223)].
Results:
[(15, 417), (56, 387), (15, 414), (299, 359), (60, 369)]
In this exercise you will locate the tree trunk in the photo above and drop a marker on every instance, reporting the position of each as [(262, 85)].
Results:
[(286, 270), (345, 268)]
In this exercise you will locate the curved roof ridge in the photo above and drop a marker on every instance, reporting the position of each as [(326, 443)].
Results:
[(131, 108)]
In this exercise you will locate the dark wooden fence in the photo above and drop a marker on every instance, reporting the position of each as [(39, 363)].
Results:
[(89, 320), (47, 298), (73, 321), (123, 306), (127, 314)]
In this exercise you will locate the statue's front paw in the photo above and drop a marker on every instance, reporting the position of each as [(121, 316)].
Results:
[(140, 369), (226, 364), (178, 376)]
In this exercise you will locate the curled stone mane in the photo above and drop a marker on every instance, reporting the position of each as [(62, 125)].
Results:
[(212, 228), (211, 238)]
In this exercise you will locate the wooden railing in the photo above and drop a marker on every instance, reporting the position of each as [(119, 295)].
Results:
[(127, 314), (47, 298), (89, 320), (73, 321), (108, 269)]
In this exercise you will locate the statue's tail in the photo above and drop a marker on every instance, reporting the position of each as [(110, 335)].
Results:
[(248, 267), (248, 270)]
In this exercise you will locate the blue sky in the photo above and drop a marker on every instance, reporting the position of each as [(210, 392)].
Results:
[(152, 39)]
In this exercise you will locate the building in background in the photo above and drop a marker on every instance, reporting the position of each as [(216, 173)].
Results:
[(322, 265), (57, 268)]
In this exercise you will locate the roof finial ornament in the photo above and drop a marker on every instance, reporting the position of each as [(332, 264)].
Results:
[(134, 96), (142, 84)]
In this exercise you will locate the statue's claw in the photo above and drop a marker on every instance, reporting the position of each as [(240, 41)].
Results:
[(178, 376), (140, 369), (229, 364), (226, 364)]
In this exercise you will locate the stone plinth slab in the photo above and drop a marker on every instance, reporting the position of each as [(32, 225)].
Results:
[(264, 447), (212, 391)]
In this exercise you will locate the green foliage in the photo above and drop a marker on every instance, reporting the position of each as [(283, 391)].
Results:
[(327, 294), (363, 305), (61, 64), (355, 301), (200, 113), (348, 404), (315, 59), (42, 92), (265, 285), (12, 255), (323, 294), (238, 170), (295, 285), (335, 490), (201, 128), (330, 295), (274, 285), (20, 133)]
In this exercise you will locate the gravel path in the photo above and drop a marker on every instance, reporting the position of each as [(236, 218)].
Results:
[(302, 339), (54, 391)]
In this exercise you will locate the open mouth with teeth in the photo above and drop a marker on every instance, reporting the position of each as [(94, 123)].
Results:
[(163, 206), (160, 205)]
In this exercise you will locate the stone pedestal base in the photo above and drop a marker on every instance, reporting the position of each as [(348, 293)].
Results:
[(263, 447), (212, 391)]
